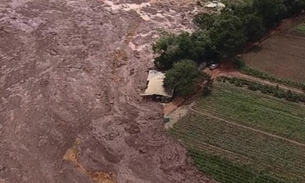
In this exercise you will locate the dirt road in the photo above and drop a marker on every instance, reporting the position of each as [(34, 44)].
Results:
[(70, 78), (224, 71)]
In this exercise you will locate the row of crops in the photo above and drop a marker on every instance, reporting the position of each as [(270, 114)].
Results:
[(257, 110), (226, 171), (241, 145), (231, 153)]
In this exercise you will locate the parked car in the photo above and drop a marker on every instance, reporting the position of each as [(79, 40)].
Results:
[(213, 66)]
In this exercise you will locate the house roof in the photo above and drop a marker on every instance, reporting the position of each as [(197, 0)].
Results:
[(155, 85), (153, 73)]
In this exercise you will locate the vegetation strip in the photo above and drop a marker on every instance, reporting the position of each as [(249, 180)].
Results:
[(256, 73), (266, 89)]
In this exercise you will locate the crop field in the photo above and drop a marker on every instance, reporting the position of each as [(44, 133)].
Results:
[(256, 110), (281, 55), (241, 136)]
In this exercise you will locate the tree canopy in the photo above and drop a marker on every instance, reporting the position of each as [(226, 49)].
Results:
[(218, 37), (183, 77), (222, 36), (172, 48)]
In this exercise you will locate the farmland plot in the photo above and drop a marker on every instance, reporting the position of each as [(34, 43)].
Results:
[(283, 54), (256, 110), (242, 137)]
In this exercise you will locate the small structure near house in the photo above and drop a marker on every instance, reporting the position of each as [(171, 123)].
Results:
[(155, 89)]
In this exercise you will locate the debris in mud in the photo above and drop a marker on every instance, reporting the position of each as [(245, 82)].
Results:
[(97, 177), (101, 177)]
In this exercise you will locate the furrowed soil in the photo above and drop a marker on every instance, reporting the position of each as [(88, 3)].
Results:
[(282, 54), (70, 77)]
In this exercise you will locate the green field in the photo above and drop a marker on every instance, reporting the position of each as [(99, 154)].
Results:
[(218, 136), (257, 110)]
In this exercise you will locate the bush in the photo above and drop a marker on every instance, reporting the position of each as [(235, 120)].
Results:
[(292, 96), (206, 91), (239, 63), (238, 83), (253, 87), (256, 73), (279, 94), (302, 98)]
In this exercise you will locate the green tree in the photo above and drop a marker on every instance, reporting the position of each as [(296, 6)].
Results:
[(204, 46), (204, 20), (294, 6), (167, 49), (253, 27), (183, 77), (227, 35), (222, 36), (172, 48), (271, 11), (241, 9)]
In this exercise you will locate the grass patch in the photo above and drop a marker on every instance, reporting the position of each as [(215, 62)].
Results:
[(257, 110), (300, 28)]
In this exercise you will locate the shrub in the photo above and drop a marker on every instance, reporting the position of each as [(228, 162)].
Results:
[(206, 91), (253, 87), (239, 63)]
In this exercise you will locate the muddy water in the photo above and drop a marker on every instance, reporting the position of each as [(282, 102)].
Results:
[(70, 76)]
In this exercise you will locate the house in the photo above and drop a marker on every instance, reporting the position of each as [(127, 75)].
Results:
[(155, 89)]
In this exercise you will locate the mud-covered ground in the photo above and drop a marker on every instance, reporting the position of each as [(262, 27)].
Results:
[(70, 76)]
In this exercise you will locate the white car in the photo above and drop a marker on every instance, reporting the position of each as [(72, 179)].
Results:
[(213, 66)]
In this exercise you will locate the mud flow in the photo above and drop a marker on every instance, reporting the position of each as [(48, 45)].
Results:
[(70, 76)]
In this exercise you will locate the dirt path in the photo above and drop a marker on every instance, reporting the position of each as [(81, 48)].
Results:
[(175, 116), (246, 127), (172, 106), (234, 73)]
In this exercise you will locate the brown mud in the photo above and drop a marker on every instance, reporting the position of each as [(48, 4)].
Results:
[(70, 76)]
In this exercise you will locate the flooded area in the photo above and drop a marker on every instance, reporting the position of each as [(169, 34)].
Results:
[(71, 73)]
